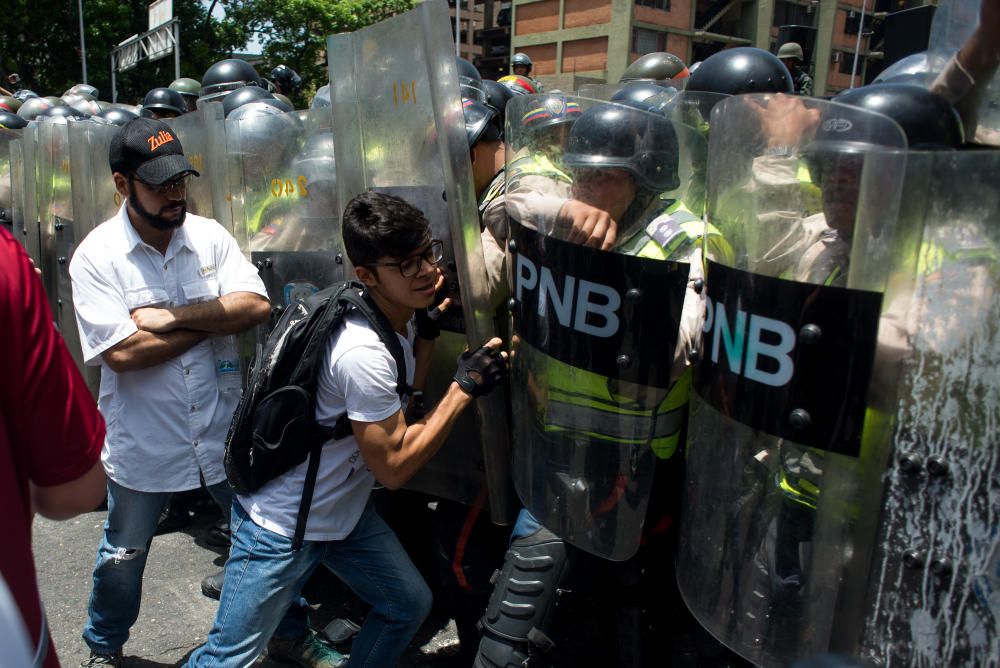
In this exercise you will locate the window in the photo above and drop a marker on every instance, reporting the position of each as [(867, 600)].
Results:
[(655, 4), (647, 41), (847, 62), (790, 14)]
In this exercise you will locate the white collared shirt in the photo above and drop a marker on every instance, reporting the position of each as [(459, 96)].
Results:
[(167, 423)]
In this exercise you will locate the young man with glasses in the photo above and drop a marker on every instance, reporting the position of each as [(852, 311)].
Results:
[(388, 241), (159, 295)]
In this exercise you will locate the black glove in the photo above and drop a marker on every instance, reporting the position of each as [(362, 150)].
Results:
[(480, 371), (428, 323)]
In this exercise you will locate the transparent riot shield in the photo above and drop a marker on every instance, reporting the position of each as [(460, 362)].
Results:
[(6, 178), (595, 397), (94, 200), (23, 169), (202, 136), (55, 218), (932, 598), (282, 187), (399, 128), (783, 486)]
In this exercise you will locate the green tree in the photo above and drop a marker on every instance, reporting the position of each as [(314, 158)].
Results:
[(41, 42), (294, 32)]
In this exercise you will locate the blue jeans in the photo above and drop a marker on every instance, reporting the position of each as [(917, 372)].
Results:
[(264, 577), (121, 559)]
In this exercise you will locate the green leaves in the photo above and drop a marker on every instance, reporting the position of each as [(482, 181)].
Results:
[(42, 39)]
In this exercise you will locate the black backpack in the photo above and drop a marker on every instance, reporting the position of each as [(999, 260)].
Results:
[(274, 427)]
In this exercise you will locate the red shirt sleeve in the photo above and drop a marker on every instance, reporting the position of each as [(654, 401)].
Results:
[(50, 430), (56, 423)]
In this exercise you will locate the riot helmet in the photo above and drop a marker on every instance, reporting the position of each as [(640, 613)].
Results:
[(624, 137), (470, 81), (84, 90), (25, 94), (518, 85), (9, 103), (644, 94), (53, 100), (83, 104), (547, 124), (61, 114), (741, 70), (164, 103), (791, 51), (284, 99), (116, 116), (656, 66), (521, 62), (929, 121), (287, 79), (322, 97), (245, 95), (497, 96), (32, 107), (479, 122), (11, 121), (188, 88), (227, 75), (915, 68)]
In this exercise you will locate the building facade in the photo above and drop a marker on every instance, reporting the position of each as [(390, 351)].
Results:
[(580, 41)]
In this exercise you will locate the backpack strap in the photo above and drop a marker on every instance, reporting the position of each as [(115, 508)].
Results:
[(305, 371), (349, 293)]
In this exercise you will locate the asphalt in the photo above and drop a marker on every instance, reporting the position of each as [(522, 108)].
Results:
[(175, 617)]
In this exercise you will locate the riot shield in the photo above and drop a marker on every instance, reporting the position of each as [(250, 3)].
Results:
[(55, 219), (400, 129), (23, 169), (95, 200), (595, 332), (7, 137), (202, 137), (932, 598), (282, 188), (783, 484)]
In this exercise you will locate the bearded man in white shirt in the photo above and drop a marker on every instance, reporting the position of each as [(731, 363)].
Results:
[(159, 297)]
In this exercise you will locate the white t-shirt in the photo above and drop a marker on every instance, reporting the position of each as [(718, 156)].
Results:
[(359, 377)]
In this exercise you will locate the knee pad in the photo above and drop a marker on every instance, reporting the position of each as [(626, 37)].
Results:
[(524, 594)]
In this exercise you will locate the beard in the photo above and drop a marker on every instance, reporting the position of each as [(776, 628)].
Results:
[(157, 220)]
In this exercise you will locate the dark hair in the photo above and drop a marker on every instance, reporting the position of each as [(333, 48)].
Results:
[(380, 225)]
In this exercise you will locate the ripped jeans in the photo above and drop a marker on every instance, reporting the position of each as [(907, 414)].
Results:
[(121, 559)]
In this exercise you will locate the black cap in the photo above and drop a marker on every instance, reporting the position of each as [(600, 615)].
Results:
[(149, 149)]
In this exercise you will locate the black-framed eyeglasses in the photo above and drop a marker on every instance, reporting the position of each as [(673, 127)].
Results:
[(177, 185), (410, 266)]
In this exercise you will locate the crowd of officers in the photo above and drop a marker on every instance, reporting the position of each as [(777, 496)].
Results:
[(564, 178)]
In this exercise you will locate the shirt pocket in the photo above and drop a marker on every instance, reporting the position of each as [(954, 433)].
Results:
[(201, 290), (153, 295)]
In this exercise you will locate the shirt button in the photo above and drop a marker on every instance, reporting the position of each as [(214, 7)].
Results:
[(164, 265), (197, 443), (193, 408), (187, 372)]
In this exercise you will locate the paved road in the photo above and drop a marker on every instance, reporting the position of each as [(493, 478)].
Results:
[(175, 617)]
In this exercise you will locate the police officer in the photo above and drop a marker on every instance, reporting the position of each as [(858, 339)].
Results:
[(521, 65), (621, 161), (286, 81), (791, 55), (162, 103), (656, 67), (188, 89), (225, 76)]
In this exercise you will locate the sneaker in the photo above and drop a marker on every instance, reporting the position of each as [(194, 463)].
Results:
[(114, 660), (308, 651), (211, 586)]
